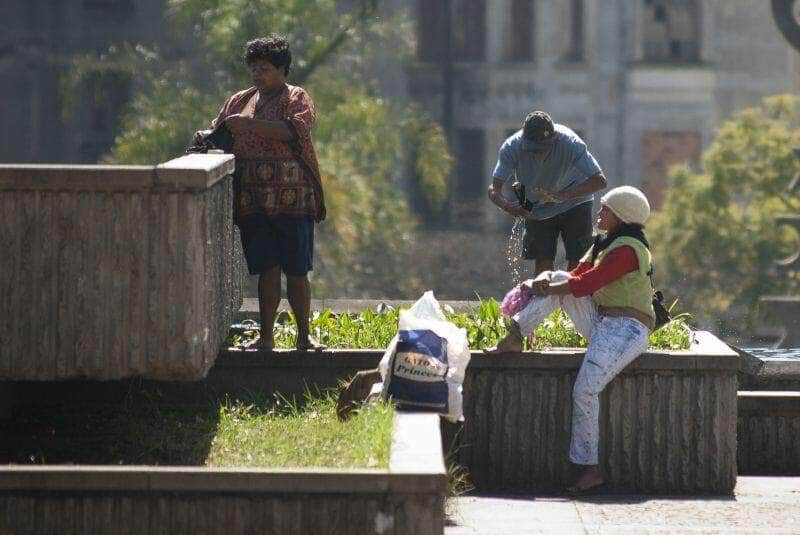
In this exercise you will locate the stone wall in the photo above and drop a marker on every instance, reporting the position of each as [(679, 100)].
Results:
[(110, 272), (769, 432)]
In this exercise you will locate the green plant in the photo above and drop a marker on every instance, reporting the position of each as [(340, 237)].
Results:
[(676, 334), (484, 324), (557, 330)]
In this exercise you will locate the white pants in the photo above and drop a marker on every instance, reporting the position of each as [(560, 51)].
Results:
[(613, 343)]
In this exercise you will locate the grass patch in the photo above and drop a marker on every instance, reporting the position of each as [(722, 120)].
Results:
[(146, 428), (484, 324), (290, 435)]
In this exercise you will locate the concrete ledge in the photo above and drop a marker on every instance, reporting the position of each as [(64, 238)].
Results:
[(90, 478), (782, 370), (195, 171), (55, 177), (768, 429), (416, 445), (406, 498), (773, 374)]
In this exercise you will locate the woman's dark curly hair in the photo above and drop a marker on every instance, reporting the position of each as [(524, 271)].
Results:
[(274, 49)]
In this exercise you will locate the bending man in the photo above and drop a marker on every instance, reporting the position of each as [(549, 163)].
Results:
[(560, 177)]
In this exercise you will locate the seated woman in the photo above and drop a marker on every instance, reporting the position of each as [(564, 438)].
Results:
[(609, 298)]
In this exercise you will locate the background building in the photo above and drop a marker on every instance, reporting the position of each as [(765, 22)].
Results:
[(39, 40), (645, 82)]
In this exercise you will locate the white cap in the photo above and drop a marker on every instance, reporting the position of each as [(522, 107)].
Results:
[(628, 203)]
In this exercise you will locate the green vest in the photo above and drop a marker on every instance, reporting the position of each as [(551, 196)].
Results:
[(633, 289)]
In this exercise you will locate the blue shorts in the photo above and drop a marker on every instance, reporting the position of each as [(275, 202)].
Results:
[(282, 241)]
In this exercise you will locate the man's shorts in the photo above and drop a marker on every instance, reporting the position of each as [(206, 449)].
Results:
[(271, 241), (575, 227)]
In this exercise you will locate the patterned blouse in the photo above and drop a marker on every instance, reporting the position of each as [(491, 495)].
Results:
[(272, 176)]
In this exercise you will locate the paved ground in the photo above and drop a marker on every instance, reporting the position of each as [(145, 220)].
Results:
[(761, 505)]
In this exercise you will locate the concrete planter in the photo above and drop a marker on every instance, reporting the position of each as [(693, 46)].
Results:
[(110, 272), (769, 432), (668, 421), (406, 498)]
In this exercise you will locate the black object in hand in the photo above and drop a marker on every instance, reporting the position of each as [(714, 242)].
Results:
[(519, 193), (220, 138), (662, 313)]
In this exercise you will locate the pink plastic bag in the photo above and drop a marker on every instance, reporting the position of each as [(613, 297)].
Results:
[(515, 300)]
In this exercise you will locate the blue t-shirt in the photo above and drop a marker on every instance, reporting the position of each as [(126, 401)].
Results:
[(567, 164)]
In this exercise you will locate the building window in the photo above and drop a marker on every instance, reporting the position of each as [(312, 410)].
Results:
[(671, 30), (660, 151), (575, 52), (520, 41), (113, 7), (470, 180), (431, 30), (465, 24), (469, 29)]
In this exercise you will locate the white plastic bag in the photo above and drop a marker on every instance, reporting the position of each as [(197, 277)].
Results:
[(423, 368)]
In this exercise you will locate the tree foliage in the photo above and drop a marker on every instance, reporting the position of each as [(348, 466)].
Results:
[(362, 139), (715, 239)]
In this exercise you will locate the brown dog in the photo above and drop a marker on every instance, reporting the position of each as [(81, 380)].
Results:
[(355, 392)]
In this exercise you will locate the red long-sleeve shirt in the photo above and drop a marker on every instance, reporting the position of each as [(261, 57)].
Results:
[(587, 279)]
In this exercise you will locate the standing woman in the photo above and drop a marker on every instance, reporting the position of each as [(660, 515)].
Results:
[(608, 296), (277, 185)]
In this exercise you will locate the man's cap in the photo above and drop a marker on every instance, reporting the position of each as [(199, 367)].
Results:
[(538, 130)]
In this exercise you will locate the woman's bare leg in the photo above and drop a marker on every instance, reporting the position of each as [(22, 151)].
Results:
[(269, 297), (298, 290)]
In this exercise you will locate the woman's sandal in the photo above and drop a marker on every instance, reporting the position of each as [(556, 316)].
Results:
[(311, 344), (586, 484), (258, 344), (579, 490)]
